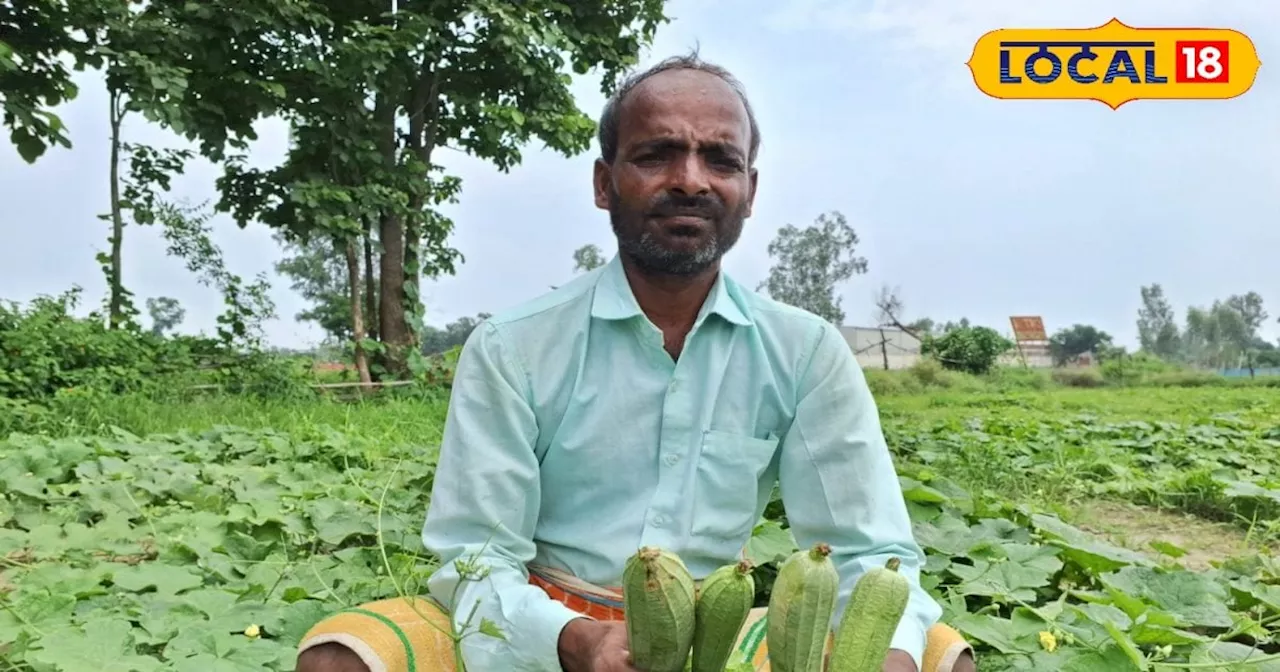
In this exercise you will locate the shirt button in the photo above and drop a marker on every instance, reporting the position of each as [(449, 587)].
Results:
[(659, 520), (671, 459)]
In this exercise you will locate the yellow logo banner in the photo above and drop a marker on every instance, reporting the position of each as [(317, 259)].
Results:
[(1114, 63)]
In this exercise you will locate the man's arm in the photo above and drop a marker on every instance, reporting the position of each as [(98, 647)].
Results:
[(839, 485), (484, 506)]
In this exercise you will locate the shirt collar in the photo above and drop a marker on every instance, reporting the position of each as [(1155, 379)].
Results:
[(614, 300)]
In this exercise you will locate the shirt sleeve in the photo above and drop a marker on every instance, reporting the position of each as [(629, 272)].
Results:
[(483, 509), (839, 485)]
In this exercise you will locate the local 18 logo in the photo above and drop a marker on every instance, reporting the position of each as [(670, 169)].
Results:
[(1114, 63)]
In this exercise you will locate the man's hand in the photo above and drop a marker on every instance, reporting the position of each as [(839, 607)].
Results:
[(595, 646), (899, 661)]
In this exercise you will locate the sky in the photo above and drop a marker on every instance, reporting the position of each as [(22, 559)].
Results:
[(971, 206)]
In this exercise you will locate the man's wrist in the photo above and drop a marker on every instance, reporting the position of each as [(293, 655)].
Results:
[(575, 643)]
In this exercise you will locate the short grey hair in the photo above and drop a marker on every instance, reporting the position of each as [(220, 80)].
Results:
[(610, 118)]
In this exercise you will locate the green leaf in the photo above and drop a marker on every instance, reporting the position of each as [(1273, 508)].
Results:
[(106, 646), (165, 579), (1194, 599), (1087, 551), (769, 542), (491, 629)]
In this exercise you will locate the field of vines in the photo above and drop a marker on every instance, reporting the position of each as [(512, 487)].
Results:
[(210, 536)]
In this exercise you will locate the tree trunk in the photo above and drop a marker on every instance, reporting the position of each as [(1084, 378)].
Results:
[(392, 326), (357, 313), (423, 115), (115, 284), (370, 288)]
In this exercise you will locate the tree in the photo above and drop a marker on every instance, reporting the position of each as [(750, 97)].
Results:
[(811, 262), (370, 96), (1249, 308), (133, 48), (166, 314), (1242, 328), (890, 308), (320, 277), (1067, 344), (38, 41), (435, 341), (587, 258), (1158, 324), (1215, 337)]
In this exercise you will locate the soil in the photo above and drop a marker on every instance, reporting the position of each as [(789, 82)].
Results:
[(1136, 527)]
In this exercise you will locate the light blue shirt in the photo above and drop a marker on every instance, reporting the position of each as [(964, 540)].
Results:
[(573, 438)]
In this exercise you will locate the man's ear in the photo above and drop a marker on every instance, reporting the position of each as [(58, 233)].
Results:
[(751, 197), (601, 178)]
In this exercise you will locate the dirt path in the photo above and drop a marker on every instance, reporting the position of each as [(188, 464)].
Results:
[(1136, 527)]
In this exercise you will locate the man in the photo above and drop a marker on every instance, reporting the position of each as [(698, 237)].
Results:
[(652, 402)]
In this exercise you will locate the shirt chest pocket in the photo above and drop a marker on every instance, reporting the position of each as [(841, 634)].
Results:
[(727, 483)]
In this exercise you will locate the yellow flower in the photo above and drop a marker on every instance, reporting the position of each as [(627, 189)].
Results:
[(252, 632), (1048, 641)]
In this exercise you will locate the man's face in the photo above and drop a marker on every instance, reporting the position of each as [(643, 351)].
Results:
[(680, 187)]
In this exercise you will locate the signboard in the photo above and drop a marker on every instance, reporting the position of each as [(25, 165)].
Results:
[(1114, 63), (1028, 328)]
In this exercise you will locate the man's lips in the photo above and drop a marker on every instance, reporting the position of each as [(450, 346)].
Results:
[(683, 220), (683, 225)]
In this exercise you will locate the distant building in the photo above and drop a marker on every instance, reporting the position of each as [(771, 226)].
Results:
[(882, 348), (1035, 354)]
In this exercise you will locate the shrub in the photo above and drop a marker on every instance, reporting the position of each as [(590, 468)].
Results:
[(1018, 378), (45, 350), (1126, 369), (968, 349), (1086, 377)]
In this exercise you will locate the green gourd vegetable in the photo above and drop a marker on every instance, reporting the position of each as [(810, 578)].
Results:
[(724, 602), (866, 629), (800, 610), (659, 600)]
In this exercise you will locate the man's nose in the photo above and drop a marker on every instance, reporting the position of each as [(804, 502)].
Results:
[(689, 175)]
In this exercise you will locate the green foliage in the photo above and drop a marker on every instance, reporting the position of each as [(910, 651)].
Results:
[(588, 258), (810, 262), (1157, 324), (319, 276), (46, 349), (370, 96), (177, 543), (453, 335), (1132, 369), (1224, 335), (1067, 344), (166, 314), (35, 36), (968, 349), (1090, 377)]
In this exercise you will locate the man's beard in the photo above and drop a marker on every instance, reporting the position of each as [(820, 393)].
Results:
[(638, 243)]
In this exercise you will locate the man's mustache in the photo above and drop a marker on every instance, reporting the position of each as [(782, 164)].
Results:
[(675, 205)]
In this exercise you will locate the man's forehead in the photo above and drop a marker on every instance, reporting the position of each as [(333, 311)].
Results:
[(687, 104)]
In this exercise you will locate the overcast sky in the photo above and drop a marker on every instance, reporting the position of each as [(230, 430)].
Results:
[(974, 207)]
